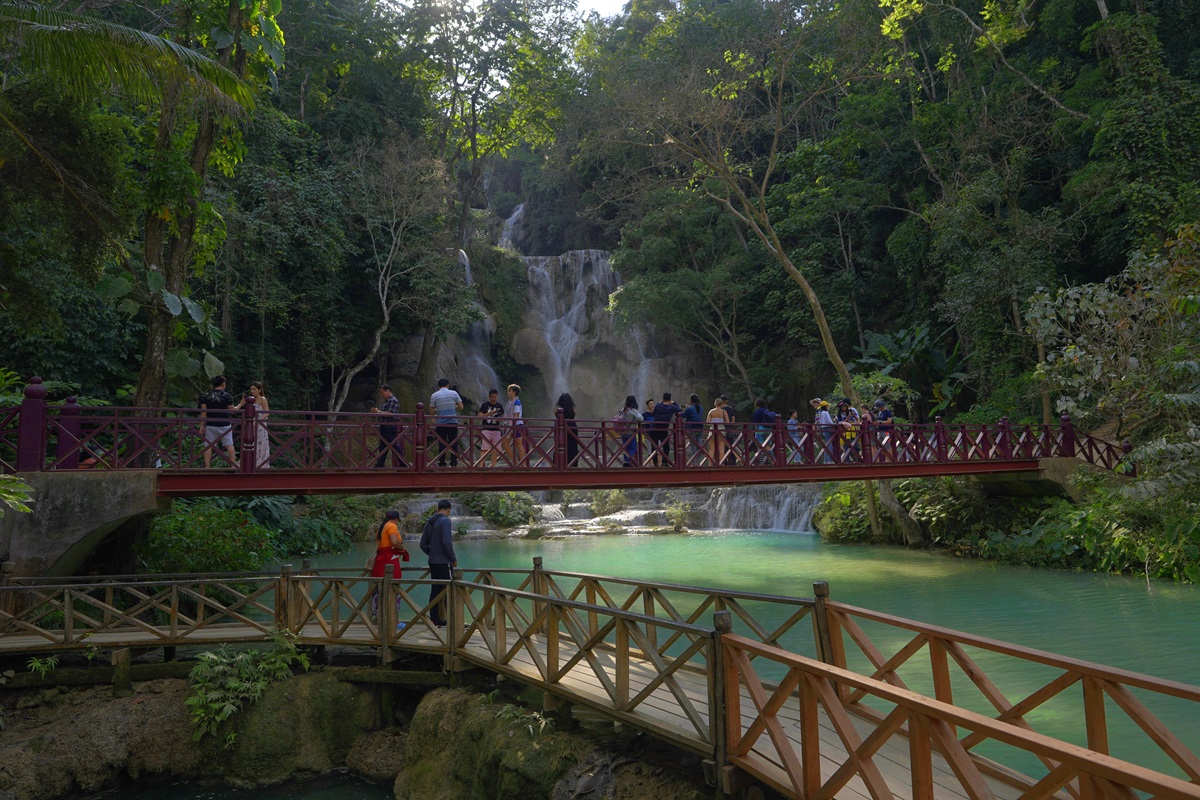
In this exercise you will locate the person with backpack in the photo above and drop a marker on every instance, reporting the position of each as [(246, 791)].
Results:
[(437, 542), (764, 426), (625, 423)]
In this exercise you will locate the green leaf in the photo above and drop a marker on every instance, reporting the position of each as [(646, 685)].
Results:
[(212, 365), (180, 364), (155, 281), (114, 287), (173, 303), (194, 309), (128, 307)]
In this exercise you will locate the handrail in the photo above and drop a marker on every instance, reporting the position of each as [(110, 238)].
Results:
[(69, 436), (927, 724)]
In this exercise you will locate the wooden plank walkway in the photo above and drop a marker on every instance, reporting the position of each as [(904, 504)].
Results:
[(644, 654)]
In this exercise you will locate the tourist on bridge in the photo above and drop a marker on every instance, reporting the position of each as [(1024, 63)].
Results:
[(718, 416), (884, 422), (848, 422), (567, 404), (437, 542), (764, 425), (491, 411), (825, 428), (389, 429), (660, 429), (693, 423), (645, 445), (262, 442), (514, 435), (446, 403), (215, 424), (793, 427), (626, 421), (389, 553)]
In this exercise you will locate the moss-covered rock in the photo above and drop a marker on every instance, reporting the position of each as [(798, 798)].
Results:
[(460, 746)]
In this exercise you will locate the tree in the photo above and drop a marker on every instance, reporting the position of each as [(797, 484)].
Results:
[(497, 71), (397, 197), (186, 141)]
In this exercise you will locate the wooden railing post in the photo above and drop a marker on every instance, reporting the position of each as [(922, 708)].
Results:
[(249, 438), (939, 438), (1068, 437), (387, 614), (539, 586), (283, 605), (455, 614), (725, 704), (866, 442), (419, 438), (1004, 440), (31, 428), (70, 430), (560, 441), (821, 622), (679, 437), (780, 448), (809, 456)]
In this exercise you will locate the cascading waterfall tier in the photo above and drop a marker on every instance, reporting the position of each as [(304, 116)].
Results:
[(787, 507)]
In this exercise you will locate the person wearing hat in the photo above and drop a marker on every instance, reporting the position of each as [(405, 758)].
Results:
[(389, 551), (437, 543), (824, 427)]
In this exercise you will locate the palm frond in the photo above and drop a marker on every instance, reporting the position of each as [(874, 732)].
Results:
[(92, 57)]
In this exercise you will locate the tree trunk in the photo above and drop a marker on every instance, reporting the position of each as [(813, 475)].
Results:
[(431, 350), (914, 534), (873, 509), (1102, 7)]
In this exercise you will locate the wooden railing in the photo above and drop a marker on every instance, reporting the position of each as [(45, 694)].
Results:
[(664, 657), (41, 437), (919, 724), (952, 666)]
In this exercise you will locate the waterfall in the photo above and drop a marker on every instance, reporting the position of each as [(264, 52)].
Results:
[(508, 239), (558, 291), (475, 373), (784, 507)]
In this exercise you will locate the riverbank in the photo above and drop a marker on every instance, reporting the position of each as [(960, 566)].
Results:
[(451, 743)]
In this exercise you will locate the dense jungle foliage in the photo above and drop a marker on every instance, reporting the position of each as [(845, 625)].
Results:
[(976, 208)]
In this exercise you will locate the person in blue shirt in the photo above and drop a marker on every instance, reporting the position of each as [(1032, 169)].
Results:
[(764, 423), (446, 403), (437, 542), (693, 423)]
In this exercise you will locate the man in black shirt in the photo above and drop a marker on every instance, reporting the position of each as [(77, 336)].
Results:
[(660, 429), (491, 411), (389, 429), (215, 423)]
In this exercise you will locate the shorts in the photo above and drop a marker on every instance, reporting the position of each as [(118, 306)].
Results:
[(223, 433), (491, 439)]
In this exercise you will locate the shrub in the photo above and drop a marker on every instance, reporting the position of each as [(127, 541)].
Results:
[(503, 509), (225, 680), (358, 516), (608, 501), (206, 537), (677, 513), (842, 517)]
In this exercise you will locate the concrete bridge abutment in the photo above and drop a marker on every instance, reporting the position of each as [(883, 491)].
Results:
[(72, 514)]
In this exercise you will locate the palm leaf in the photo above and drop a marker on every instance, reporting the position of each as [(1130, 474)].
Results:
[(92, 57)]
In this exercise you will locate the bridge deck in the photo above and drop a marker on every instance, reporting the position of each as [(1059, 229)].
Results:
[(659, 714)]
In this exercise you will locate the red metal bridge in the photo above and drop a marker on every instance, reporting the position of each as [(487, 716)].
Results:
[(307, 452)]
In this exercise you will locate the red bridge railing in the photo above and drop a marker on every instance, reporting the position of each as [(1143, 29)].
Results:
[(40, 437)]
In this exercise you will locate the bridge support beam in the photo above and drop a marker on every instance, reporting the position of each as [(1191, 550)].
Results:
[(72, 513)]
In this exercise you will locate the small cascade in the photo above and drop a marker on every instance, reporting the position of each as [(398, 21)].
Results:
[(475, 373), (776, 508), (508, 235)]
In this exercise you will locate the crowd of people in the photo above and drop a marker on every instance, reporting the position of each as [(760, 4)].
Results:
[(645, 431), (711, 438)]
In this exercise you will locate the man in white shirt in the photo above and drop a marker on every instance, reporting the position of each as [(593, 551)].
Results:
[(446, 404)]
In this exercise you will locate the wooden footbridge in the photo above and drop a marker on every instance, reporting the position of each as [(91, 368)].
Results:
[(305, 452), (812, 697)]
